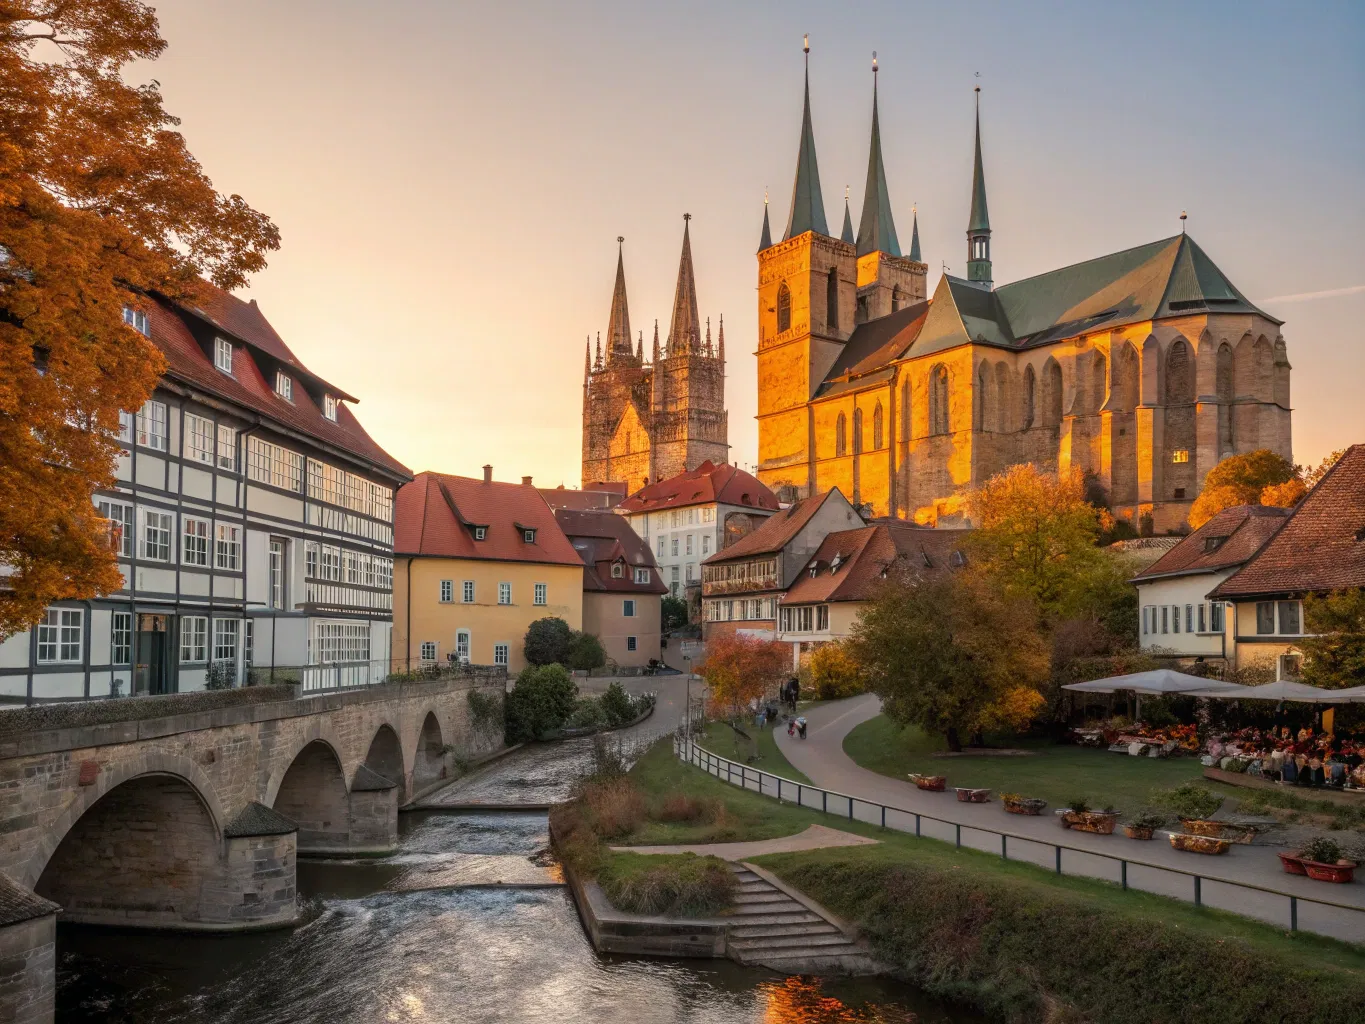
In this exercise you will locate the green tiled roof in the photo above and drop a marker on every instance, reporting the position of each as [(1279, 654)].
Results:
[(877, 228), (808, 205)]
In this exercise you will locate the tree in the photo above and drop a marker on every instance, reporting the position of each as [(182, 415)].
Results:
[(585, 652), (741, 669), (1241, 480), (541, 701), (674, 613), (100, 200), (953, 655), (548, 641), (835, 673), (1334, 656), (1312, 476)]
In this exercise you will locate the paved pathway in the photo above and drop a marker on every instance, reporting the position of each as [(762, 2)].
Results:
[(816, 837), (821, 757)]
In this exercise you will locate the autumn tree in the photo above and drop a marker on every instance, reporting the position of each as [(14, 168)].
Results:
[(1243, 480), (835, 672), (100, 202), (953, 655), (741, 669), (1334, 655)]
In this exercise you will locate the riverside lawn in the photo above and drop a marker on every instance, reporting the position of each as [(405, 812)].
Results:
[(1021, 942)]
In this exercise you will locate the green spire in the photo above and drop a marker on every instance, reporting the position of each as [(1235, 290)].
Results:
[(877, 229), (765, 240), (808, 205), (979, 225), (846, 235), (914, 235)]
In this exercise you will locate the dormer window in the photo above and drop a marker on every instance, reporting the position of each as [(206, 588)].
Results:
[(617, 570), (641, 575), (284, 386), (222, 354), (529, 536), (1212, 544), (480, 532), (329, 407), (137, 320), (835, 562)]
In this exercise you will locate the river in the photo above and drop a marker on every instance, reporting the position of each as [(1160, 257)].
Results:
[(465, 924)]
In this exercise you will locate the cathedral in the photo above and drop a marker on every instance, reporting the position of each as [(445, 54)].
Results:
[(648, 421), (1141, 369)]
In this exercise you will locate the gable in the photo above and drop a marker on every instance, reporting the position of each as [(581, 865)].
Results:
[(630, 436)]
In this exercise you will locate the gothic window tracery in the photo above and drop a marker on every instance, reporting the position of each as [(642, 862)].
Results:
[(784, 308), (1052, 393), (1030, 388)]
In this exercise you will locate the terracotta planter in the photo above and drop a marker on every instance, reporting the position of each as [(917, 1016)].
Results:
[(1340, 872), (1025, 805), (1138, 831), (1198, 844), (973, 796), (1292, 864), (1201, 827), (932, 783), (1098, 822)]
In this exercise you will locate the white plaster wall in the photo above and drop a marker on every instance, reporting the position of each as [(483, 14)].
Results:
[(101, 635), (151, 470), (58, 684), (198, 483), (1180, 591), (14, 651)]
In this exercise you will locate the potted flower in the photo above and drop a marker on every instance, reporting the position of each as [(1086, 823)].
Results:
[(1016, 804), (1322, 860), (967, 795), (1147, 822), (932, 783), (1194, 805), (1078, 815)]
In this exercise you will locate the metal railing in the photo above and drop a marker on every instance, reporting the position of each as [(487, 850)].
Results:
[(899, 819)]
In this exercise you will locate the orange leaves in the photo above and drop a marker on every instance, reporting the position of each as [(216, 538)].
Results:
[(740, 669)]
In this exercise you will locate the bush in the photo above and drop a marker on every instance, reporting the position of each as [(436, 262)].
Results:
[(587, 711), (613, 808), (681, 885), (674, 613), (486, 712), (540, 702), (585, 652), (1189, 800), (1322, 850), (691, 809), (617, 705), (547, 641), (835, 673)]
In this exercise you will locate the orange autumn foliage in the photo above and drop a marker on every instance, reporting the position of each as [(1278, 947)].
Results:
[(740, 669), (99, 201)]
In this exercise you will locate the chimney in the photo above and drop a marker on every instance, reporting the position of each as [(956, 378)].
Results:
[(526, 481), (487, 474)]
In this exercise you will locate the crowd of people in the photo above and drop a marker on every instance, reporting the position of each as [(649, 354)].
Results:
[(1302, 758)]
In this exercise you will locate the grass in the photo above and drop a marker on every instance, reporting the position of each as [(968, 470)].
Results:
[(1055, 773), (675, 885), (721, 739)]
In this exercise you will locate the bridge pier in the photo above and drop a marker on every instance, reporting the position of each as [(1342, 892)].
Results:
[(28, 956), (374, 813)]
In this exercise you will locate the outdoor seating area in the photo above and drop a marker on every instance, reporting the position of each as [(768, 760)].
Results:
[(1302, 757)]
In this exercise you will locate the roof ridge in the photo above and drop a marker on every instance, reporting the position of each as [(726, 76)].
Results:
[(1081, 263)]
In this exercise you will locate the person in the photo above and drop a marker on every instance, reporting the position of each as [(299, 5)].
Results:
[(801, 726)]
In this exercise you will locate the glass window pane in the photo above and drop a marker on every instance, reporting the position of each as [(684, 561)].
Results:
[(1265, 617), (1289, 617)]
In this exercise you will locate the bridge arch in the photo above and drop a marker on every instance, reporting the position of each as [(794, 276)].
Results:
[(385, 755), (428, 759), (312, 792)]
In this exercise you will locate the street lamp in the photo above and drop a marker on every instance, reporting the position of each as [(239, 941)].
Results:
[(687, 708)]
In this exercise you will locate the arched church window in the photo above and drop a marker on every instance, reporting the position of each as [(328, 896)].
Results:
[(877, 427), (784, 308), (841, 436), (905, 409), (832, 299), (1099, 381), (857, 431), (1179, 375), (1028, 405), (938, 400), (1052, 393), (983, 399)]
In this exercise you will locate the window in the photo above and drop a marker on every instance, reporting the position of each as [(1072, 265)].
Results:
[(689, 544), (1265, 617), (542, 593), (676, 519), (1216, 616), (641, 575), (121, 516), (938, 399), (330, 563), (661, 547), (504, 593), (462, 646), (691, 516), (383, 572), (822, 617), (335, 642), (59, 636), (447, 591), (338, 487), (121, 643), (222, 354), (705, 543), (227, 447), (628, 608), (275, 594), (501, 654), (1212, 544), (126, 422), (156, 534), (691, 571), (428, 652), (1180, 455), (1165, 615), (1175, 618), (194, 638), (480, 532), (784, 307), (198, 439), (840, 436), (1189, 618), (137, 320), (310, 559), (151, 426), (674, 547), (1202, 625), (832, 298), (877, 427), (284, 386), (468, 591), (225, 632), (529, 536), (617, 570), (227, 543), (1145, 610), (1289, 617), (329, 407), (630, 643), (249, 642), (194, 541), (268, 463)]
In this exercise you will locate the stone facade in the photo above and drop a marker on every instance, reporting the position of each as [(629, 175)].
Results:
[(28, 970)]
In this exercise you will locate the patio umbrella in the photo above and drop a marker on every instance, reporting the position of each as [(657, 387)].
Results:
[(1157, 681), (1285, 689)]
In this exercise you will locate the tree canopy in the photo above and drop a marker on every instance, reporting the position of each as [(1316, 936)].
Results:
[(100, 201), (741, 669), (541, 701), (548, 641), (835, 672), (1334, 655), (1255, 478)]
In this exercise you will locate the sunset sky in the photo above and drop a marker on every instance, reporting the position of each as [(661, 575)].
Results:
[(450, 178)]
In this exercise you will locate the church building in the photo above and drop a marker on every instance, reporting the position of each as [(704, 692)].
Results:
[(645, 422), (1141, 369)]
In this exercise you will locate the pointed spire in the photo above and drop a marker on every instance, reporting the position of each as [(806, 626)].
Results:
[(914, 235), (656, 339), (618, 323), (846, 235), (979, 225), (808, 205), (877, 228), (720, 348), (708, 335), (765, 240), (587, 360), (684, 333)]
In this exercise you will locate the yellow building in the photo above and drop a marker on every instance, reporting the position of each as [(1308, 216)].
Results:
[(476, 562)]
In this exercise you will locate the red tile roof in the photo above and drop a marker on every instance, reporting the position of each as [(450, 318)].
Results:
[(708, 483), (868, 555), (434, 515), (189, 362), (774, 533), (602, 539), (1243, 529), (1322, 545)]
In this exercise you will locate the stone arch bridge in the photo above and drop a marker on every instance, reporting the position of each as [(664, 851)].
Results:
[(188, 811)]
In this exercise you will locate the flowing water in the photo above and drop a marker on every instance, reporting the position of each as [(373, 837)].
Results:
[(467, 924)]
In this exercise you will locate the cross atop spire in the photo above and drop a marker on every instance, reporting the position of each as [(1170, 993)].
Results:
[(877, 229), (808, 205), (684, 334), (618, 322), (979, 224)]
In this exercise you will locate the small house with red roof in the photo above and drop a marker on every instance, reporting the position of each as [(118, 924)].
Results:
[(476, 562), (695, 514), (622, 589)]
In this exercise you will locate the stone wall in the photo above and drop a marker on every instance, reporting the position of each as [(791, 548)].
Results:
[(28, 965)]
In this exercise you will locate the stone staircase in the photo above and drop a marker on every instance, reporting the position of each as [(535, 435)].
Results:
[(772, 929)]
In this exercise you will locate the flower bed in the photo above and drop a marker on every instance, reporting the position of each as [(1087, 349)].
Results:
[(973, 796), (931, 783), (1198, 844), (1099, 822), (1015, 804)]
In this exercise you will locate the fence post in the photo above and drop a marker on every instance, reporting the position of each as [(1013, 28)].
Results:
[(959, 836), (800, 794), (850, 808), (1293, 913), (779, 788), (824, 801), (1198, 900), (917, 826), (1004, 850), (1123, 871), (883, 815), (1059, 860)]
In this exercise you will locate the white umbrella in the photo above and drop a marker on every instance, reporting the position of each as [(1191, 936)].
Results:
[(1157, 681), (1285, 689)]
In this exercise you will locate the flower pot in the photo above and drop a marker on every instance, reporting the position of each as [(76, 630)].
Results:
[(1341, 871), (1201, 827), (1138, 831), (1198, 844), (1292, 865), (1025, 805), (973, 796), (931, 783), (1099, 822)]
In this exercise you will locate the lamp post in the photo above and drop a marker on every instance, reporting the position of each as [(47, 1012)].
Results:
[(687, 707)]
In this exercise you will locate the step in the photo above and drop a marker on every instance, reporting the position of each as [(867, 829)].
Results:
[(765, 931), (801, 916), (755, 887), (787, 907), (769, 896), (821, 961), (835, 938)]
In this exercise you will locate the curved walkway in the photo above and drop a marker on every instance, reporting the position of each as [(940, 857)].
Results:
[(821, 757), (816, 837)]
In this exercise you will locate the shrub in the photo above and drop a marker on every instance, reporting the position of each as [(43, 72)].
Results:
[(617, 705), (613, 808), (673, 611), (1080, 805), (587, 711), (1149, 818), (486, 712), (1322, 850), (683, 885), (585, 652), (1189, 800), (540, 702), (691, 809), (547, 641), (835, 673)]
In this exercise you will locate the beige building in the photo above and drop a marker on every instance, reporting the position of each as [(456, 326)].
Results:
[(622, 590), (476, 562)]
